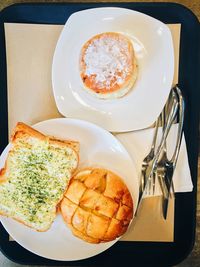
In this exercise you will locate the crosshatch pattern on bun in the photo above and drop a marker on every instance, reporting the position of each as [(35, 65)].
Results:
[(97, 205), (108, 65)]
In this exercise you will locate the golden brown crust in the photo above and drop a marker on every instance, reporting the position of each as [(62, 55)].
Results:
[(67, 209), (2, 174), (24, 131), (92, 214), (72, 144), (114, 227), (83, 236)]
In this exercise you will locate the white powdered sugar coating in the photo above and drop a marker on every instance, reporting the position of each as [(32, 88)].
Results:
[(107, 60)]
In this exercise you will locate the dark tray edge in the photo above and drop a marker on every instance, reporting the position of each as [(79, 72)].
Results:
[(185, 9)]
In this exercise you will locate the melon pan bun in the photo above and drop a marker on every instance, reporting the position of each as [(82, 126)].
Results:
[(97, 205)]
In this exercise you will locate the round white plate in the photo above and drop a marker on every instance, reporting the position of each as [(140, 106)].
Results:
[(97, 148), (153, 45)]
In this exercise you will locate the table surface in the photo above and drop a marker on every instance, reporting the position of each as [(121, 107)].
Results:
[(194, 258)]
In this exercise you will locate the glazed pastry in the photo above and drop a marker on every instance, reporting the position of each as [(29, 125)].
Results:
[(108, 65), (97, 205)]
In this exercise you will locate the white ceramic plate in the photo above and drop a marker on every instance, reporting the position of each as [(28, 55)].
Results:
[(97, 148), (153, 45)]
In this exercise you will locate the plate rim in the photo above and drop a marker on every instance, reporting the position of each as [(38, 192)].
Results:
[(170, 71), (3, 219)]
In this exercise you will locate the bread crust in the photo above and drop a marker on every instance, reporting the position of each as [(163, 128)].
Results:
[(24, 223), (70, 143), (22, 130), (97, 205)]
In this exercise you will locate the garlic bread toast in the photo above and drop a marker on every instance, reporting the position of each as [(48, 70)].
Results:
[(35, 176)]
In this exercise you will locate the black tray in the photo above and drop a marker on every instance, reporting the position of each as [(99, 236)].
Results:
[(137, 253)]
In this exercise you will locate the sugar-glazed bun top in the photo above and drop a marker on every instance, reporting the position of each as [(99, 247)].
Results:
[(107, 63), (97, 205)]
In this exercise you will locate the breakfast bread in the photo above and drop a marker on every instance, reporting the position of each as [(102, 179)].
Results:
[(108, 66), (35, 176), (97, 205)]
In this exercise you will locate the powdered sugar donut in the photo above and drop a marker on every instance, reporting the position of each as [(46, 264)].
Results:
[(108, 65)]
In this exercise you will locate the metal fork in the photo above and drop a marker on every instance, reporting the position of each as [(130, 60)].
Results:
[(165, 167), (150, 167), (160, 172), (146, 161), (163, 158)]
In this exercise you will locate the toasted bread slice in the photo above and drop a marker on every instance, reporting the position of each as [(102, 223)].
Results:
[(35, 176)]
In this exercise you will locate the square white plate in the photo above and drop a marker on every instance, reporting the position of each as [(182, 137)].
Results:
[(153, 46)]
